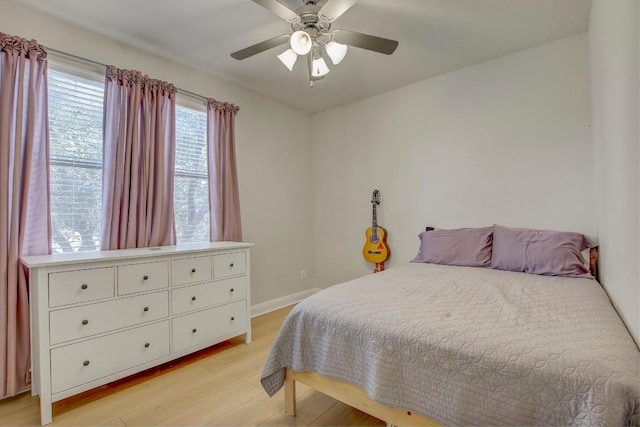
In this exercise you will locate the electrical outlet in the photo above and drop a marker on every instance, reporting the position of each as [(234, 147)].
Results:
[(303, 274)]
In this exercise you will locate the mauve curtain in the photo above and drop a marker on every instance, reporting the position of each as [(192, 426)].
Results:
[(224, 198), (139, 161), (25, 227)]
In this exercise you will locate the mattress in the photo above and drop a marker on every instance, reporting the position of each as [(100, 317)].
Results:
[(465, 345)]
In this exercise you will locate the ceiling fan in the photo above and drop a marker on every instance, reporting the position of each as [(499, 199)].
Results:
[(312, 36)]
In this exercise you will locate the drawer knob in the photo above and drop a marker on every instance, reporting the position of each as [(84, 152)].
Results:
[(193, 270), (84, 286), (145, 277), (233, 318), (146, 345), (146, 309), (193, 298), (85, 363), (194, 330), (85, 322), (231, 265), (231, 290)]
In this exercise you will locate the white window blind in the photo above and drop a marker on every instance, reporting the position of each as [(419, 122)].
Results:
[(75, 126), (191, 186)]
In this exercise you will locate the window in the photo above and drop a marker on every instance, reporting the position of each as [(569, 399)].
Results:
[(76, 99), (191, 184), (75, 130)]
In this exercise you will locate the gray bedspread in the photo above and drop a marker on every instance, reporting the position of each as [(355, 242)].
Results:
[(465, 346)]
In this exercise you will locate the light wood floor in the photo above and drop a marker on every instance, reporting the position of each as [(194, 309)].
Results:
[(219, 386)]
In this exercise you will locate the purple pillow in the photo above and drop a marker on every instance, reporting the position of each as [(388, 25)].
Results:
[(469, 247), (553, 253)]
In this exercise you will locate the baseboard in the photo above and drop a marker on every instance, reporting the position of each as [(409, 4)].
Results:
[(278, 303)]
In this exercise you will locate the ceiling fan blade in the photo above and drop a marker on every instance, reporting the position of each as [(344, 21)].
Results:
[(260, 47), (278, 8), (332, 9), (366, 41)]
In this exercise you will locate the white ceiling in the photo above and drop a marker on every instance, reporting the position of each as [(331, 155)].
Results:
[(436, 36)]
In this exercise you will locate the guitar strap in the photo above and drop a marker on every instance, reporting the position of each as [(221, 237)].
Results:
[(379, 267)]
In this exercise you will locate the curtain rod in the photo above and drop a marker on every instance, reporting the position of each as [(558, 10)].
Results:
[(100, 64)]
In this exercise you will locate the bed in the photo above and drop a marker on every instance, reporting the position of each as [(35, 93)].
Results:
[(425, 343)]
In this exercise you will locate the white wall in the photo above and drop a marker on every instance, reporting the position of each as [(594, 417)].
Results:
[(506, 141), (273, 149), (614, 49)]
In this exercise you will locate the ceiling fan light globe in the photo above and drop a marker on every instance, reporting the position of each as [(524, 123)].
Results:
[(319, 68), (336, 51), (301, 42), (288, 58)]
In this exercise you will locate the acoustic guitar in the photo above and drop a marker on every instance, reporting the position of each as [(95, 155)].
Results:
[(375, 248)]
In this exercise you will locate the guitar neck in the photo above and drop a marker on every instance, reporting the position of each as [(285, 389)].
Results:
[(374, 219), (374, 224)]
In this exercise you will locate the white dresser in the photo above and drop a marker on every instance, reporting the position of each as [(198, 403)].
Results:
[(100, 316)]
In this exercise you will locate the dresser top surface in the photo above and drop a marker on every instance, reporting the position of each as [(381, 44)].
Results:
[(137, 253)]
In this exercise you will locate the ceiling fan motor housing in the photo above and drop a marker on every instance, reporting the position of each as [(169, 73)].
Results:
[(310, 21)]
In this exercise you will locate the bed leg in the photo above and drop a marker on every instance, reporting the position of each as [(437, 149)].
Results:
[(289, 394)]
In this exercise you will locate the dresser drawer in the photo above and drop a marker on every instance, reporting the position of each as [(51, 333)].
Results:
[(190, 270), (77, 322), (72, 287), (226, 265), (203, 326), (208, 294), (142, 277), (90, 360)]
